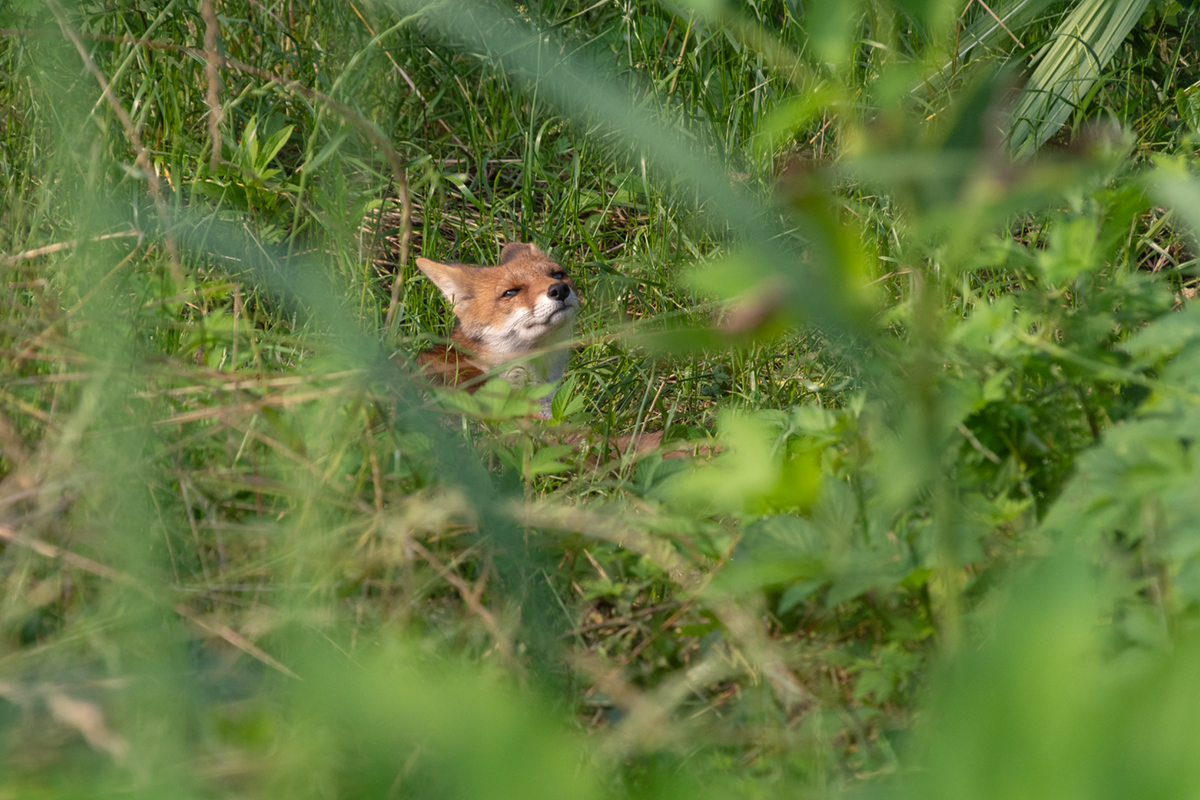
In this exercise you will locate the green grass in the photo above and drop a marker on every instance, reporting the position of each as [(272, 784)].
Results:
[(940, 404)]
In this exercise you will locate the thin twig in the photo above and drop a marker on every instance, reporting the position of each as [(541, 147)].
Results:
[(235, 639), (625, 619), (409, 81), (368, 128), (142, 156), (471, 598), (1000, 22), (970, 436), (59, 246), (47, 550), (389, 322), (212, 31), (272, 401)]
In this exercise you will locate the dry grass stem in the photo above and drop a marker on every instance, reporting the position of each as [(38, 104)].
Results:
[(142, 156), (212, 34)]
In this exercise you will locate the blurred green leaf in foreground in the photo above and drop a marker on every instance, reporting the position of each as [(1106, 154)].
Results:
[(917, 516)]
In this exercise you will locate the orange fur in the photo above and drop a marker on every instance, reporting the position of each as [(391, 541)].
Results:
[(489, 332), (520, 310)]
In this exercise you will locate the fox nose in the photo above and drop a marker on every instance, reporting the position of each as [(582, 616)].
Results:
[(558, 291)]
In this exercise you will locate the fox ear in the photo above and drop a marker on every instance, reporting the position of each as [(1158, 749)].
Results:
[(451, 279), (516, 249)]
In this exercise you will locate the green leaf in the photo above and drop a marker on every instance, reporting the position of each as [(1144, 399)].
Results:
[(748, 466), (274, 144), (329, 149), (797, 593), (1074, 248), (1165, 336), (793, 114), (545, 461)]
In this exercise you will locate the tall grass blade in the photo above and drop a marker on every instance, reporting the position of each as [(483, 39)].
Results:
[(1067, 68), (575, 86)]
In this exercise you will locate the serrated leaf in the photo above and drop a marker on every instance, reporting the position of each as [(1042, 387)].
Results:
[(1166, 336)]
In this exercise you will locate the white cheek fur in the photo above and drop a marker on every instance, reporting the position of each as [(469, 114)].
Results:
[(524, 326), (548, 323), (509, 338)]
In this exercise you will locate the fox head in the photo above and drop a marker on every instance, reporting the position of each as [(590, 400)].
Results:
[(525, 302)]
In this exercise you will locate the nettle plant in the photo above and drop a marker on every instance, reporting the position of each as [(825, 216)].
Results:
[(1021, 332)]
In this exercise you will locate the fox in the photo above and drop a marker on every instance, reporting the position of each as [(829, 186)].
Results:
[(521, 310)]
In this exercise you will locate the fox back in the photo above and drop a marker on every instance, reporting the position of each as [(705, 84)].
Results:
[(523, 305)]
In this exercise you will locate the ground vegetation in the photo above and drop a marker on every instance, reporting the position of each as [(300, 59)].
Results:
[(909, 283)]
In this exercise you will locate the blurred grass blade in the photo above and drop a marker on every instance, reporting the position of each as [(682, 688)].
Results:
[(573, 83), (982, 34), (750, 33), (1181, 192), (1067, 68)]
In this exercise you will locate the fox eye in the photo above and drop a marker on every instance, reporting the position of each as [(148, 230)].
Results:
[(559, 275), (511, 293)]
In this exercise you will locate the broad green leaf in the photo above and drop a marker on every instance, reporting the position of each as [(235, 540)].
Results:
[(275, 143), (1167, 336), (1074, 248), (545, 461)]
